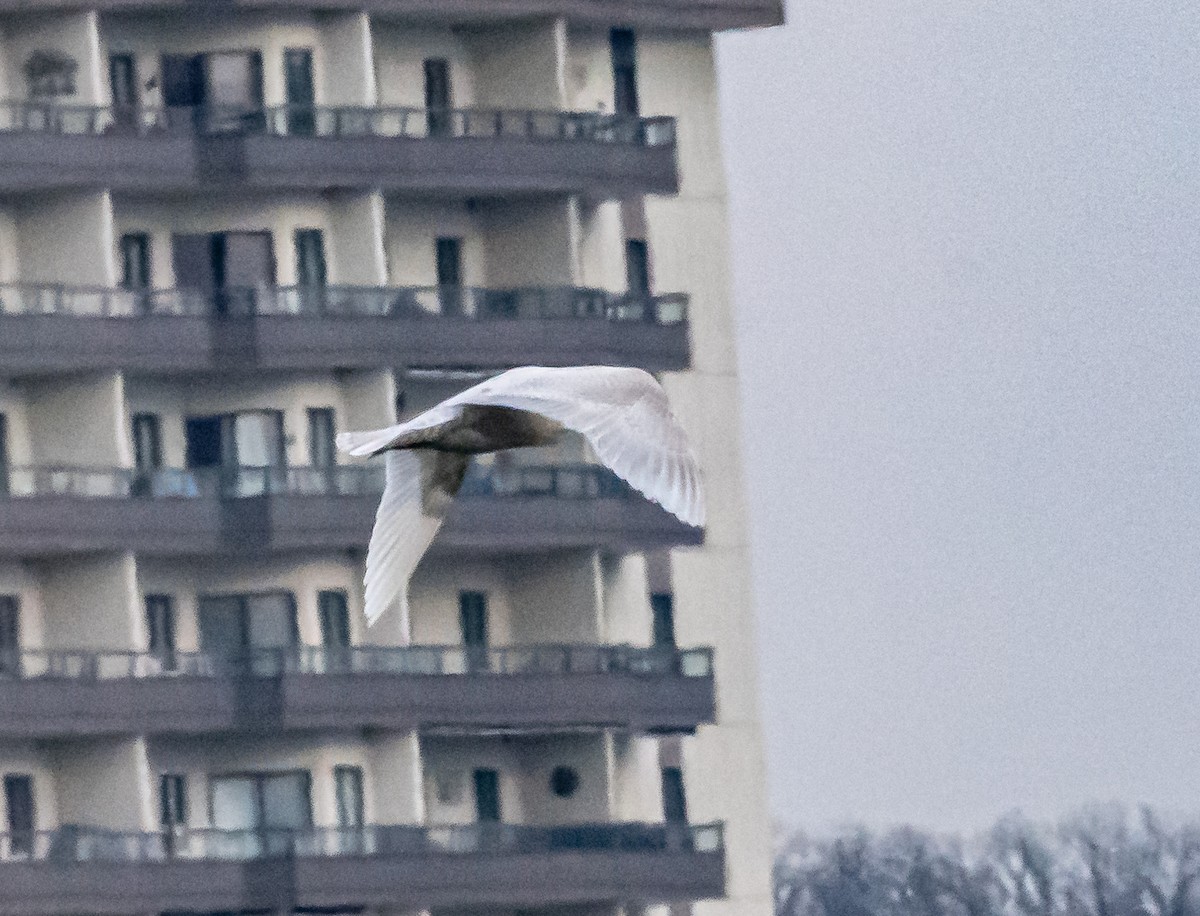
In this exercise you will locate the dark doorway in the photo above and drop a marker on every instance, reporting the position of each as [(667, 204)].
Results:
[(623, 48), (228, 267), (449, 275), (147, 442), (4, 466), (298, 81), (637, 266), (10, 635), (438, 100), (160, 627), (487, 796), (242, 263), (322, 448), (310, 269), (18, 798), (334, 612), (123, 86), (183, 80), (348, 788), (472, 615), (172, 801), (662, 606), (204, 442), (674, 799), (135, 261), (237, 626)]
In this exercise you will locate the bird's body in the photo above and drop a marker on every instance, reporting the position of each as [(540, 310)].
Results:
[(623, 413)]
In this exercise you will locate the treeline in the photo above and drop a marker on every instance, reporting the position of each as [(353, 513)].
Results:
[(1106, 862)]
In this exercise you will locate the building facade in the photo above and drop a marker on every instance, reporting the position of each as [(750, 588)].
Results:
[(229, 230)]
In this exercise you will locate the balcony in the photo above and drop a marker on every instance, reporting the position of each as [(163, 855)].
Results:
[(50, 328), (55, 694), (402, 867), (459, 151), (54, 510)]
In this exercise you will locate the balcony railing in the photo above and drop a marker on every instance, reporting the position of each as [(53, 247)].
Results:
[(354, 660), (402, 302), (78, 844), (566, 481), (339, 122)]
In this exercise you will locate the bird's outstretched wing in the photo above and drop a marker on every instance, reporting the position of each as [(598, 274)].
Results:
[(624, 415), (420, 487)]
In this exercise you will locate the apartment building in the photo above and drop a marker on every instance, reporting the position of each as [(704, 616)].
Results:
[(229, 231)]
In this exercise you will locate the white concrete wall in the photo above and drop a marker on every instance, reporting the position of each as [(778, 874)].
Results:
[(724, 768), (354, 242), (555, 597), (303, 576), (524, 765), (529, 242), (72, 33), (519, 66), (348, 73), (395, 795), (401, 49), (433, 599), (149, 35), (66, 238), (91, 602), (349, 226), (104, 782), (588, 69), (175, 400), (77, 421), (202, 759), (413, 226), (626, 615), (14, 405)]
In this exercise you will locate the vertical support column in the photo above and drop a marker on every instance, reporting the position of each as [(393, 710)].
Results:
[(67, 238), (396, 793), (625, 603), (356, 240), (348, 75), (555, 598), (104, 782), (520, 65), (688, 238)]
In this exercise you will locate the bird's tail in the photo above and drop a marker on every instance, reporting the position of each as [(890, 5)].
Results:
[(364, 444)]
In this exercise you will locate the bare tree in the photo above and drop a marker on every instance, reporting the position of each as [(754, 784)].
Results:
[(1100, 862)]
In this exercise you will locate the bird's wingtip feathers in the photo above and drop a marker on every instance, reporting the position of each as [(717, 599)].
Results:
[(360, 445)]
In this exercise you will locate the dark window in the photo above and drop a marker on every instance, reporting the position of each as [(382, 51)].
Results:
[(472, 616), (122, 80), (203, 442), (147, 441), (674, 800), (3, 454), (637, 266), (160, 627), (438, 99), (335, 618), (662, 606), (322, 449), (564, 781), (298, 79), (253, 800), (10, 635), (624, 64), (172, 800), (242, 262), (233, 624), (348, 786), (182, 80), (18, 799), (487, 796), (449, 275), (310, 258), (135, 260)]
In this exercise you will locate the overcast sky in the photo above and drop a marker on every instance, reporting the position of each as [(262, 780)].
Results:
[(966, 239)]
